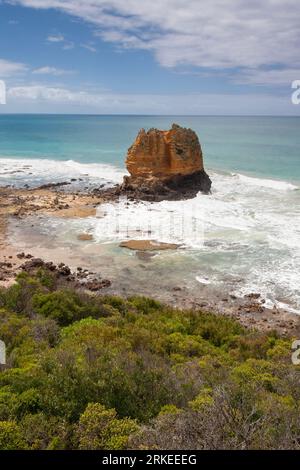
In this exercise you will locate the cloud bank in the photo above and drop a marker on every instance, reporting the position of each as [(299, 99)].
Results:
[(215, 34), (9, 68), (37, 98), (56, 72)]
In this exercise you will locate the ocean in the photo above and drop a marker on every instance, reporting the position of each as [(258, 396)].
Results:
[(243, 238)]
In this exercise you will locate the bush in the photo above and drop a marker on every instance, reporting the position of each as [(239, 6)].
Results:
[(10, 436), (102, 372), (65, 306), (45, 432), (100, 429)]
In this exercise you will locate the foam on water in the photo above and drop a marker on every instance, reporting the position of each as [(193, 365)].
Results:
[(251, 235), (203, 280), (35, 172), (266, 183), (245, 236), (167, 221)]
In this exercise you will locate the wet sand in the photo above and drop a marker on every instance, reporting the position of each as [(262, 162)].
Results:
[(18, 204)]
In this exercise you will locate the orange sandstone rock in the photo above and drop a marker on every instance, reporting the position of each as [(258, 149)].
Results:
[(165, 165), (165, 153)]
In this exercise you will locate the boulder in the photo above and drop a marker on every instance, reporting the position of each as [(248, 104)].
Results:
[(165, 165)]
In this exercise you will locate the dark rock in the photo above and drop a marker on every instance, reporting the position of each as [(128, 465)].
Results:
[(96, 285), (253, 295), (53, 185), (33, 264)]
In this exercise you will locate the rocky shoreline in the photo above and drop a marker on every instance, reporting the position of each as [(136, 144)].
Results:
[(175, 188), (18, 204), (163, 165)]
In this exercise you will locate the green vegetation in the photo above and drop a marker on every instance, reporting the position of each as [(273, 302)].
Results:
[(101, 372)]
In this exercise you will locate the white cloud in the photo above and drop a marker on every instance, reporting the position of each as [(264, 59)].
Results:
[(89, 47), (56, 38), (208, 33), (60, 38), (50, 94), (55, 99), (268, 77), (68, 45), (47, 70), (8, 68)]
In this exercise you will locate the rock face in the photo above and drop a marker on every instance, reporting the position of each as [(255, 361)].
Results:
[(165, 165)]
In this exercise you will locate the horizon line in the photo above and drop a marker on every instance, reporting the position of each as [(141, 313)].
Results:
[(150, 115)]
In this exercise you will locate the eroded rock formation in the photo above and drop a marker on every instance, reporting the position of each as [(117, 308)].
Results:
[(165, 165)]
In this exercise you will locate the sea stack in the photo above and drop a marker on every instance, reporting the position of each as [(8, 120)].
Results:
[(165, 165)]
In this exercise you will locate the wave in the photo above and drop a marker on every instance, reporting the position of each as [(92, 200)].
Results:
[(269, 302), (249, 232), (265, 183), (249, 227), (34, 172), (101, 170), (60, 168)]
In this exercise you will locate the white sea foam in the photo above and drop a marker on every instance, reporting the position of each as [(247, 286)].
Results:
[(269, 303), (167, 221), (100, 170), (203, 280), (20, 171), (248, 228), (229, 215), (253, 236), (265, 183)]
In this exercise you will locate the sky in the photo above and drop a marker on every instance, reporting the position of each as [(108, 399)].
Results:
[(191, 57)]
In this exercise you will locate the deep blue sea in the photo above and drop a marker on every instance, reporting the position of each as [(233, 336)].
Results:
[(261, 146), (244, 237)]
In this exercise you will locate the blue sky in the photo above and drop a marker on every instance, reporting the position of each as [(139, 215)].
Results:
[(150, 57)]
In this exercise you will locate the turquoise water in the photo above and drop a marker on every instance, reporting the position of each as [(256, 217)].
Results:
[(267, 147), (244, 237)]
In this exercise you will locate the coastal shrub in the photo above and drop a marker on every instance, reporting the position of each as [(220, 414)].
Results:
[(18, 297), (145, 305), (41, 432), (118, 303), (10, 436), (27, 402), (47, 278), (103, 372), (66, 306), (254, 345), (220, 333), (7, 404), (228, 417), (99, 429), (14, 328), (135, 385)]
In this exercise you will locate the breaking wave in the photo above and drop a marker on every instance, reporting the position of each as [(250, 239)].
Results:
[(248, 228)]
